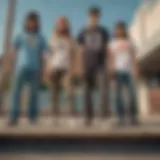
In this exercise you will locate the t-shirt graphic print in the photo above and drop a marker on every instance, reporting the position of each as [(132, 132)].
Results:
[(94, 42)]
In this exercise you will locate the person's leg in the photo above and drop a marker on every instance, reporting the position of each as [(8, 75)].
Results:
[(133, 99), (88, 104), (33, 95), (119, 99), (104, 92), (17, 85), (70, 93), (55, 87)]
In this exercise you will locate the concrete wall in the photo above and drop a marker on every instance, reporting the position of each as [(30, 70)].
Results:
[(145, 26), (144, 31)]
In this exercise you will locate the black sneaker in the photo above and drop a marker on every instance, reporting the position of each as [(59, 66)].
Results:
[(13, 123)]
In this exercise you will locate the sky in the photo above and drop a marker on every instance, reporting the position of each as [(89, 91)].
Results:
[(75, 10)]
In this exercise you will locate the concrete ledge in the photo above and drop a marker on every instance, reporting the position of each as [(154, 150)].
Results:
[(79, 157), (75, 128)]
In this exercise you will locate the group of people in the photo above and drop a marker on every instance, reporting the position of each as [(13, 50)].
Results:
[(93, 55)]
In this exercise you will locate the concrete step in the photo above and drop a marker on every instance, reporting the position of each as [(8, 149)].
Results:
[(102, 138), (80, 145), (79, 157)]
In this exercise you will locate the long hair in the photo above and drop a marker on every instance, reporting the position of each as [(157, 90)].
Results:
[(66, 32), (123, 26), (32, 16)]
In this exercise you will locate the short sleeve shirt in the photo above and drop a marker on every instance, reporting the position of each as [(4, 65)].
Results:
[(94, 42), (122, 51), (30, 48), (61, 49)]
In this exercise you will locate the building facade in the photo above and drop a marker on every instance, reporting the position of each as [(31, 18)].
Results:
[(145, 32)]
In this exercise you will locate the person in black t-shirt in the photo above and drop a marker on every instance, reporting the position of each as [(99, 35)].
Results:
[(93, 41)]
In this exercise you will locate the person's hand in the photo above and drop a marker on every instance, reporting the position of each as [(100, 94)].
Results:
[(78, 71), (135, 74), (111, 74)]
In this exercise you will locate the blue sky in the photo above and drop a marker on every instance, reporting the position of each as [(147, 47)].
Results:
[(75, 10)]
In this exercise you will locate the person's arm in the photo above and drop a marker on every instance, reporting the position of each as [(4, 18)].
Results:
[(45, 56), (72, 64), (110, 61), (79, 60), (135, 65), (79, 55), (45, 50), (109, 55)]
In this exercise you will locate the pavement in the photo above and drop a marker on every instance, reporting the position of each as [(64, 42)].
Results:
[(79, 157), (68, 126)]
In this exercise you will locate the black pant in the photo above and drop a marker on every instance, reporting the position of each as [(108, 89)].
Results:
[(96, 77), (56, 79)]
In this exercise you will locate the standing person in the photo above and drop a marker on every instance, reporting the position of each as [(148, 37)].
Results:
[(28, 49), (93, 41), (61, 63), (125, 71)]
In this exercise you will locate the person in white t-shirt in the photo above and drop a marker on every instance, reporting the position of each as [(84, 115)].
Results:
[(60, 63), (125, 72)]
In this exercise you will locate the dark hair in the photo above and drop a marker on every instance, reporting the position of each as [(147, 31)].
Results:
[(32, 16), (122, 25), (95, 10)]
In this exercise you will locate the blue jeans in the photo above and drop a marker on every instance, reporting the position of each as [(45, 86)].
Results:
[(125, 79), (21, 78)]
